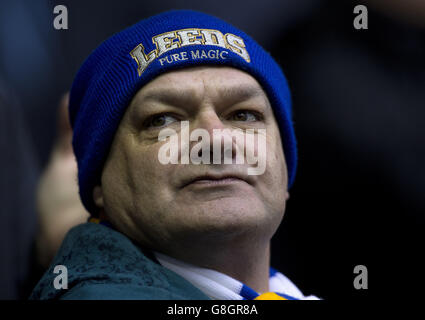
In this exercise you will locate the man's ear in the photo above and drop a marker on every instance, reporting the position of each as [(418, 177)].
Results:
[(286, 195), (98, 197)]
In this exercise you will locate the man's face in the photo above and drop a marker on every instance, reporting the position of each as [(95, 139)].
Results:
[(171, 205)]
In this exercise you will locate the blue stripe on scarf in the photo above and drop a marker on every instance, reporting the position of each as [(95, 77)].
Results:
[(272, 272), (286, 296), (247, 293)]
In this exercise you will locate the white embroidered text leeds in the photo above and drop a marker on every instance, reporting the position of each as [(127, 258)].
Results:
[(188, 37)]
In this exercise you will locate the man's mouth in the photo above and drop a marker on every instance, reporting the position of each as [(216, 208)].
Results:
[(216, 180)]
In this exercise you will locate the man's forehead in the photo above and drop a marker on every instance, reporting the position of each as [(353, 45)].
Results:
[(190, 84)]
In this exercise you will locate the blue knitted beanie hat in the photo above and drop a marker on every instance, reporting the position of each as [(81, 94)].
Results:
[(121, 65)]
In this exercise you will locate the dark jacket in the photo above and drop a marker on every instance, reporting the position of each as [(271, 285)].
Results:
[(104, 264)]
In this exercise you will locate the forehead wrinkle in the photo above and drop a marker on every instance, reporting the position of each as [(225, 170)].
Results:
[(190, 95), (241, 92), (172, 95), (185, 93)]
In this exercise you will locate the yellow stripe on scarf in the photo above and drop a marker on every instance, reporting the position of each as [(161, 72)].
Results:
[(94, 220), (269, 296)]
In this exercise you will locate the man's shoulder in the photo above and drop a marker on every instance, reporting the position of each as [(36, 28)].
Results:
[(102, 263)]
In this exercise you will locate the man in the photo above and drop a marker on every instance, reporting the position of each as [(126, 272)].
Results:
[(175, 218)]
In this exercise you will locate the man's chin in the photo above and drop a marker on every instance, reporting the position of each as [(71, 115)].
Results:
[(229, 214)]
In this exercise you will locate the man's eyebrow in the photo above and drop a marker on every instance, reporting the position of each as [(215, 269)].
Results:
[(242, 92)]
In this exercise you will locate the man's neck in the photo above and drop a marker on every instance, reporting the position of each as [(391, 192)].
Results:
[(247, 264)]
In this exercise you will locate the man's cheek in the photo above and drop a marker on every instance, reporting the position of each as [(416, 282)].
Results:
[(274, 162), (149, 172), (145, 171), (256, 151)]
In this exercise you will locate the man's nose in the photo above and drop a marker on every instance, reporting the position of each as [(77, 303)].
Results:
[(221, 143), (208, 120)]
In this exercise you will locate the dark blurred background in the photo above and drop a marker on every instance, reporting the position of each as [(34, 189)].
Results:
[(359, 112)]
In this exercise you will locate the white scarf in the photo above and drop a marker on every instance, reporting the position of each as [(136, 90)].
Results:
[(219, 286)]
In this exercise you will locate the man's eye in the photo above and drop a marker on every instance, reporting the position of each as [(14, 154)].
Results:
[(245, 115), (159, 120)]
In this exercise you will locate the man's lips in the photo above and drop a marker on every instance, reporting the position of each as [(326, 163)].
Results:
[(216, 180)]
